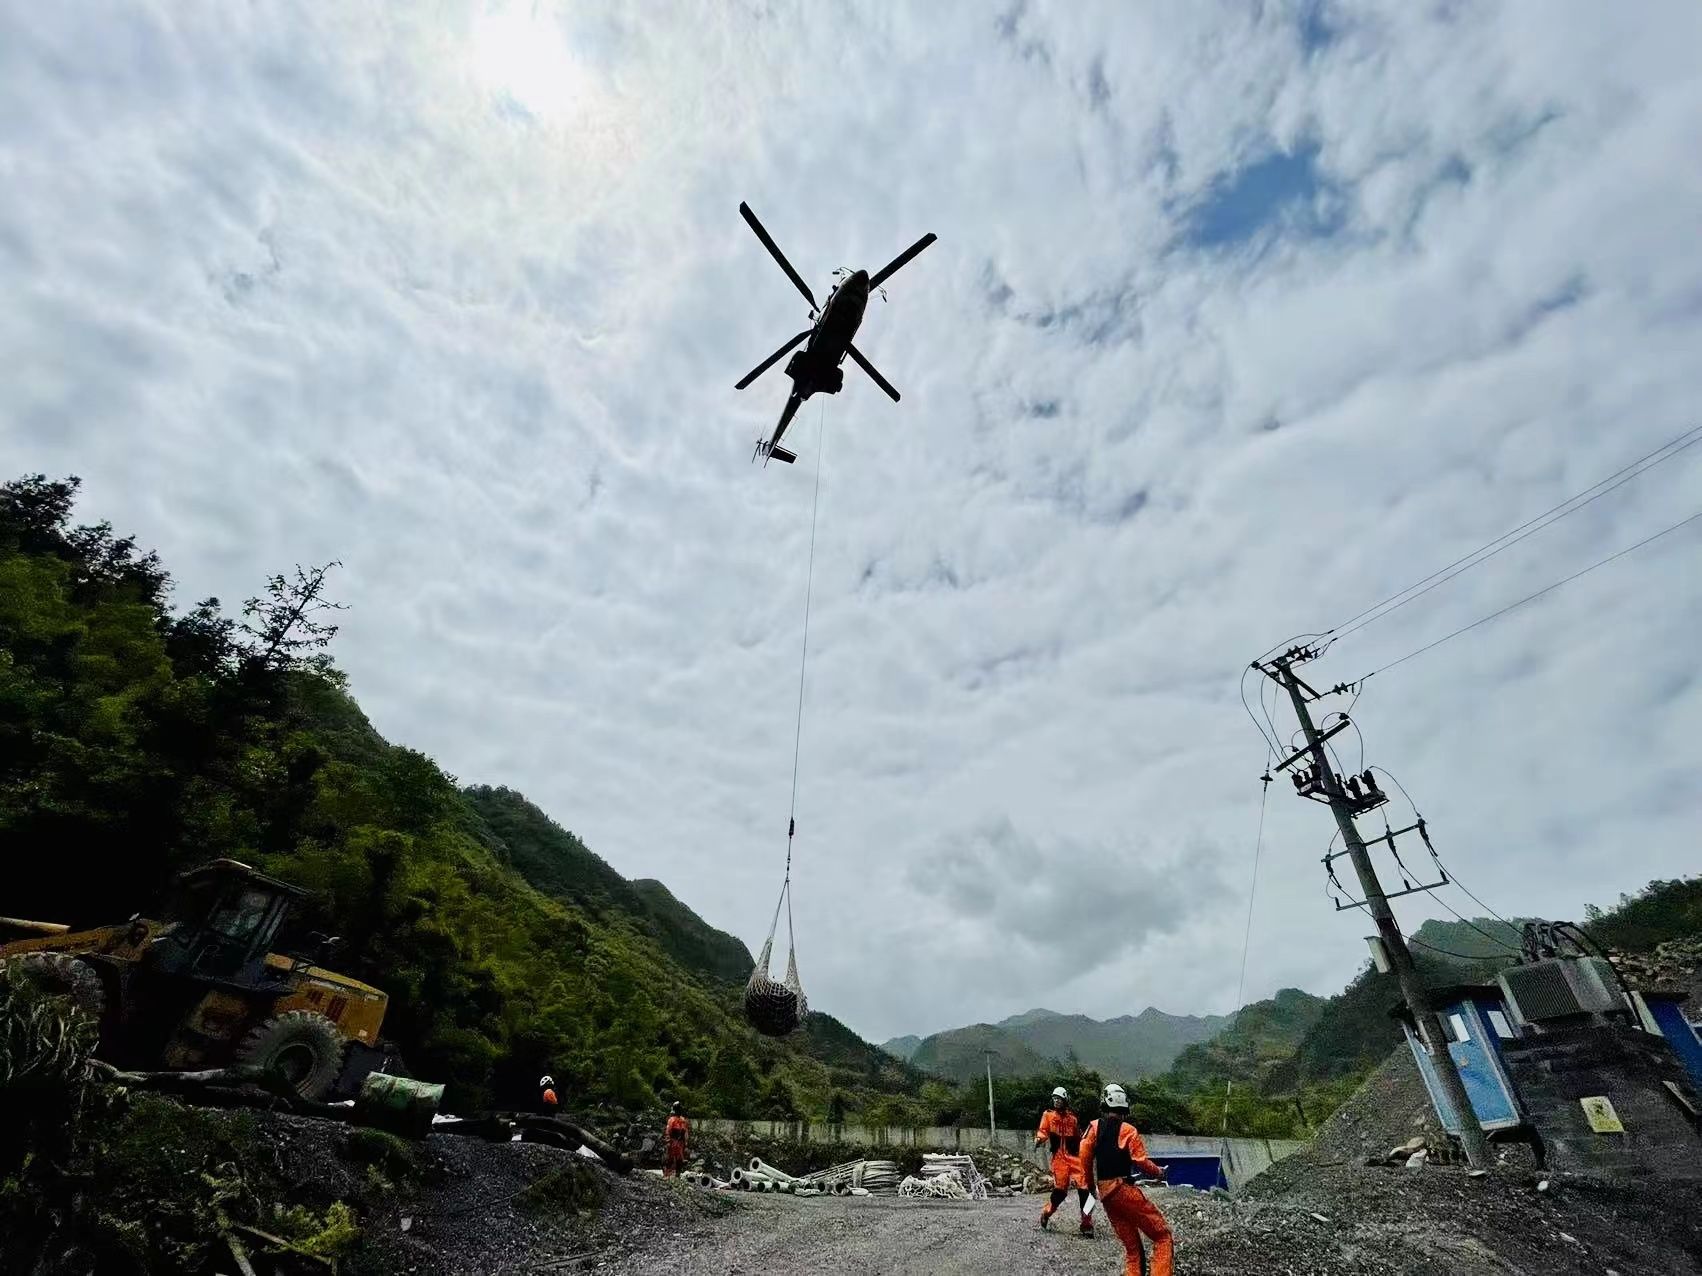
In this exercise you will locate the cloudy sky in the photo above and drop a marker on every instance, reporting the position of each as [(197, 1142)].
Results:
[(1242, 317)]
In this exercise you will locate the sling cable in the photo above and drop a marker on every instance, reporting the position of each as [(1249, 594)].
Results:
[(776, 1009)]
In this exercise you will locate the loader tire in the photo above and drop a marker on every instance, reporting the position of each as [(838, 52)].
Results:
[(304, 1047), (62, 975)]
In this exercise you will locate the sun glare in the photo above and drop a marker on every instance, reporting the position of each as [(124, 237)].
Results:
[(520, 54)]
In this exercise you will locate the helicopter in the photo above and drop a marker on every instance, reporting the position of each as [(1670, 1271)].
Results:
[(816, 368)]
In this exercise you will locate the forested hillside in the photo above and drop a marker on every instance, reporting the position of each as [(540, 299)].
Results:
[(1128, 1047), (137, 740), (561, 866), (959, 1055)]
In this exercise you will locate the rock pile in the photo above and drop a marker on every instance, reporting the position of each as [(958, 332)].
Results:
[(1008, 1174), (1676, 965)]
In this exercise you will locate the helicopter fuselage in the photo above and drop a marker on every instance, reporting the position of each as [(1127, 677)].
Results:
[(816, 368)]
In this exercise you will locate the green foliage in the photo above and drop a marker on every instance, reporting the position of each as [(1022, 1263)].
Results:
[(571, 1188), (149, 742), (165, 1179), (396, 1159), (1662, 910), (958, 1055), (563, 867), (1260, 1039), (328, 1234)]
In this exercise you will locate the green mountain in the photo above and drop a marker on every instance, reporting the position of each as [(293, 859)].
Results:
[(902, 1047), (958, 1055), (1261, 1038), (1041, 1041), (563, 867), (1027, 1017), (1128, 1047), (136, 741)]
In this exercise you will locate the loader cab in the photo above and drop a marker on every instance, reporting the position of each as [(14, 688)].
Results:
[(227, 916)]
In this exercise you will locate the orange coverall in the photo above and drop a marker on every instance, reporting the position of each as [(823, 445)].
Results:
[(1061, 1128), (674, 1154), (1131, 1214)]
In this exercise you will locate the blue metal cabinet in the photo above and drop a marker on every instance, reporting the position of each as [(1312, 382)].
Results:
[(1668, 1013), (1476, 1025)]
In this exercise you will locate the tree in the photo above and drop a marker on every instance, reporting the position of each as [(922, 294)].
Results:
[(283, 626)]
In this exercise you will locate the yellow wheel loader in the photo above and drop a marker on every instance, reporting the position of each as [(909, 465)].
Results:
[(204, 988)]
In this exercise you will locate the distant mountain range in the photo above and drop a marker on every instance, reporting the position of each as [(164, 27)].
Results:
[(1274, 1044), (1128, 1047)]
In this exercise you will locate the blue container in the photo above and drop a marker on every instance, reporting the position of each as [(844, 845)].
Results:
[(1203, 1171)]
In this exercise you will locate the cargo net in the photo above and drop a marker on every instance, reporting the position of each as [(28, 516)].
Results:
[(776, 1009)]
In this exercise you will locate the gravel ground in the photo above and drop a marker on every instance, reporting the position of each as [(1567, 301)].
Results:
[(782, 1236), (477, 1208), (1337, 1221)]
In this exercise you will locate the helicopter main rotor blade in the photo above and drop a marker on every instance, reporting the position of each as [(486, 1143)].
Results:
[(891, 268), (868, 367), (774, 251), (772, 359)]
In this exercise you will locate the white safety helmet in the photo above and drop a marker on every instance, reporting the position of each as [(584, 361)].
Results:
[(1115, 1097), (545, 1082), (1058, 1092)]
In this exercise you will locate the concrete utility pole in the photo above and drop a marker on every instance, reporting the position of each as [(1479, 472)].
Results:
[(1425, 1014), (992, 1133)]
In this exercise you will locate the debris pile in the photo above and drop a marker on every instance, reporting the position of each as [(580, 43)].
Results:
[(1676, 964), (1417, 1152), (941, 1164), (1009, 1174), (1388, 1111), (853, 1178), (947, 1186)]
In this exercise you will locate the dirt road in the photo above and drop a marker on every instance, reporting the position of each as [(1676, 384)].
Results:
[(1324, 1221), (781, 1235)]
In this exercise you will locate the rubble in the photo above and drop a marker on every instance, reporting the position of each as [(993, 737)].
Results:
[(938, 1164), (1675, 965), (1008, 1174)]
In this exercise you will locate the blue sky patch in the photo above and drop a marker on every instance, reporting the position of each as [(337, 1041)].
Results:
[(1284, 188), (1316, 33)]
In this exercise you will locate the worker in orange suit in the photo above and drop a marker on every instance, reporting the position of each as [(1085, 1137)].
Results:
[(674, 1143), (547, 1096), (1060, 1130), (1111, 1151)]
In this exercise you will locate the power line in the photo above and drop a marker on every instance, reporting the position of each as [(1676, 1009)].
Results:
[(1247, 932), (1471, 925), (1249, 708), (1507, 540), (1549, 589), (1449, 952), (1253, 887), (1452, 877)]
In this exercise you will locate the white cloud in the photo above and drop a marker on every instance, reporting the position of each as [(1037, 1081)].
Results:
[(464, 310)]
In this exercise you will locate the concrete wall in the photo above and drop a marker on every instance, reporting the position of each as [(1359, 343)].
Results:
[(1242, 1158)]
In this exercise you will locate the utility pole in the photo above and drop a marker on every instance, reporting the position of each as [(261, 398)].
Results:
[(1432, 1030), (992, 1133)]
